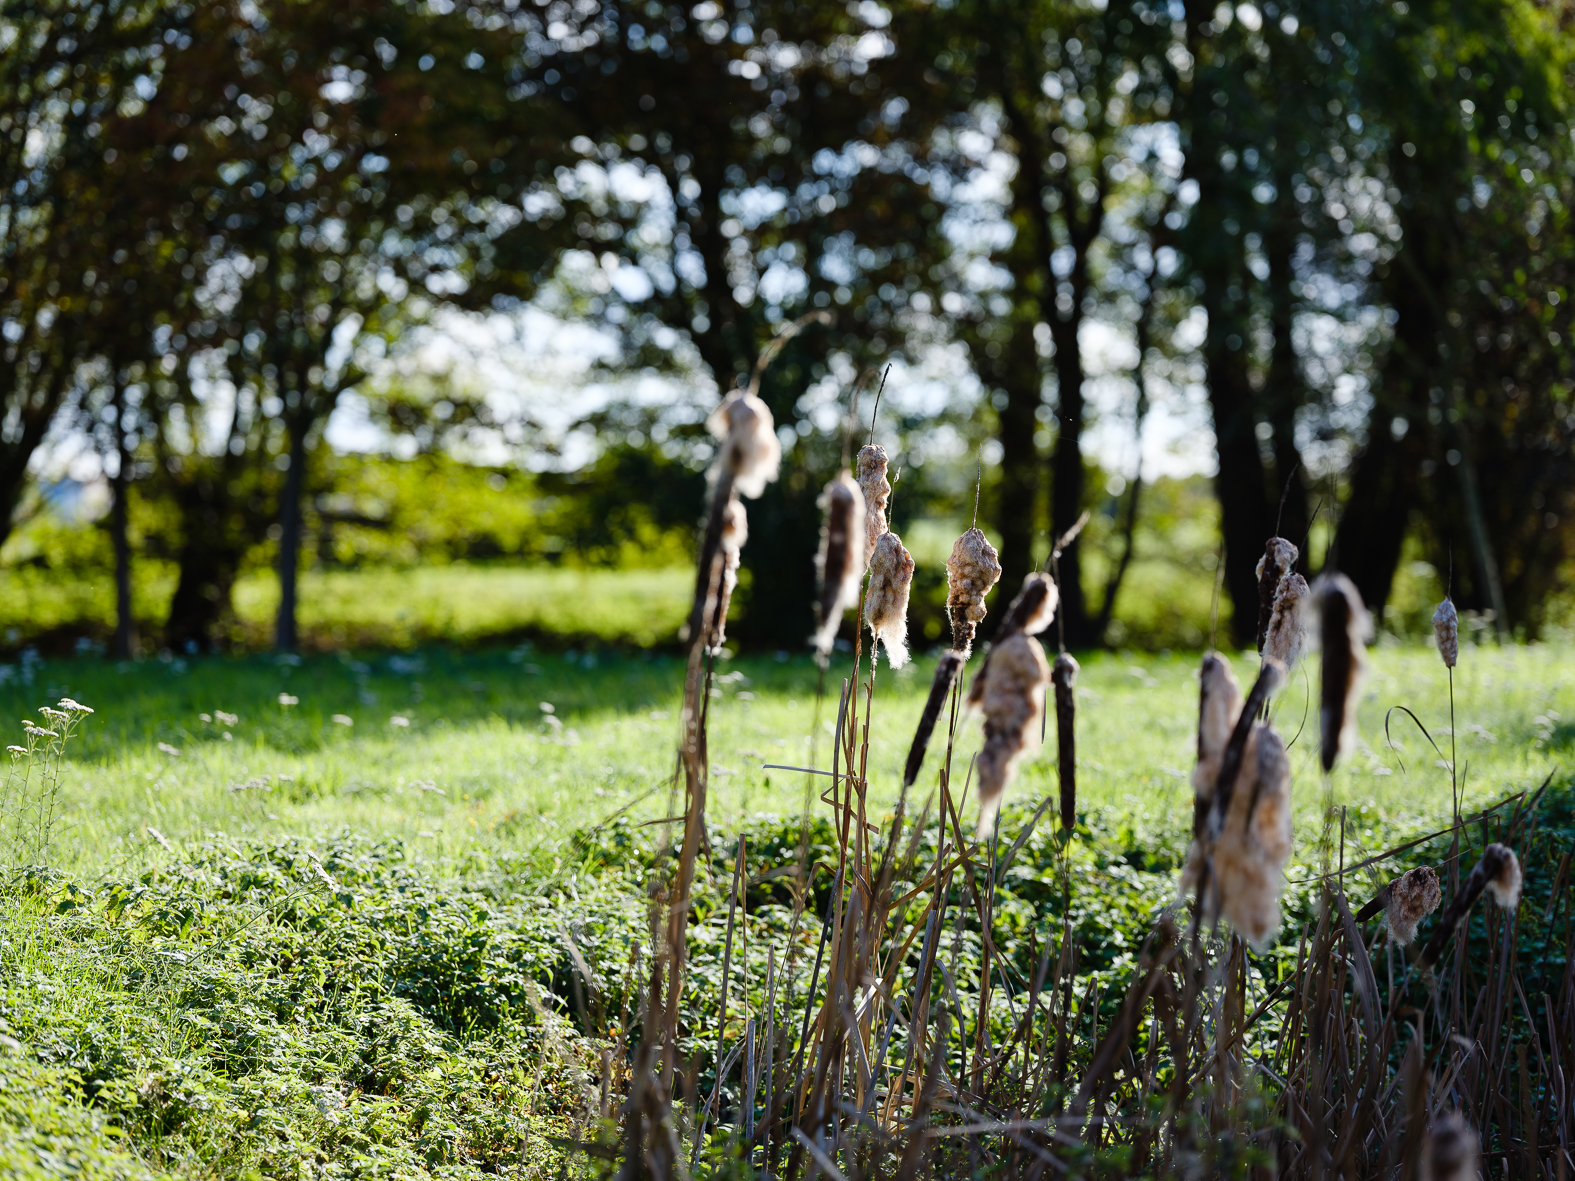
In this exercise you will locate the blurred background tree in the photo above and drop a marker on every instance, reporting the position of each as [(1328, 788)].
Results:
[(1322, 247)]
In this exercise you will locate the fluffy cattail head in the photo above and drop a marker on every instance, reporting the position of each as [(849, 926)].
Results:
[(871, 469), (1446, 626), (837, 563), (1033, 609), (971, 571), (1343, 629), (1413, 896), (886, 603), (735, 531), (749, 447), (1279, 559), (1219, 705), (1250, 853), (1505, 882), (1287, 628), (1012, 702), (1449, 1150)]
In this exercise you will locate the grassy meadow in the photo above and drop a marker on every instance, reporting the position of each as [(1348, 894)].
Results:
[(383, 915)]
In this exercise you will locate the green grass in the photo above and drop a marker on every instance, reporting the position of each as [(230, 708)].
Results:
[(284, 945), (376, 607)]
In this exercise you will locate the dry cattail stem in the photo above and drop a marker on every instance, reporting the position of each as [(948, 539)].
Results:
[(1279, 559), (1498, 872), (1449, 1151), (750, 449), (1287, 628), (886, 604), (1408, 900), (971, 572), (1446, 627), (1013, 699), (1343, 628), (1064, 675), (871, 469), (735, 531), (945, 673), (837, 563)]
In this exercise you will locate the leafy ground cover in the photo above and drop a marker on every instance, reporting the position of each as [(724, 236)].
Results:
[(385, 915)]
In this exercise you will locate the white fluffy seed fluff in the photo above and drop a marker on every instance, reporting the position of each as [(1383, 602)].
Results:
[(871, 469), (886, 602), (1013, 700), (1505, 886), (837, 562), (1413, 896), (1446, 627), (1449, 1150), (749, 446), (1287, 626), (735, 531), (971, 571), (1250, 854)]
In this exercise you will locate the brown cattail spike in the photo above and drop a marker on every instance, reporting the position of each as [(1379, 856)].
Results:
[(838, 562), (945, 673), (1219, 705), (1287, 628), (871, 469), (1498, 870), (735, 531), (1343, 628), (749, 446), (972, 570), (1033, 609), (1449, 1151), (1446, 627), (1014, 698), (886, 602), (1064, 676), (1279, 559)]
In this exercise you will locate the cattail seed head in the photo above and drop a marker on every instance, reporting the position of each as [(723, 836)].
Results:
[(749, 446), (871, 469), (1507, 879), (1446, 627), (1013, 700), (971, 572), (1033, 609), (1219, 705), (735, 531), (1287, 632), (1413, 896), (1064, 677), (1279, 559), (1449, 1150), (837, 563), (886, 603), (1250, 853), (1343, 629)]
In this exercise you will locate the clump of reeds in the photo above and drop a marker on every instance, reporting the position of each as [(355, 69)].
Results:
[(1343, 631), (886, 601), (1279, 560), (1242, 805), (972, 570), (1446, 629), (871, 470), (1012, 698), (838, 565)]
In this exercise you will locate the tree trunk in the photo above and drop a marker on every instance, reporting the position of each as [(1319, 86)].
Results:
[(1286, 391), (285, 638), (125, 634), (208, 565), (1066, 475)]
